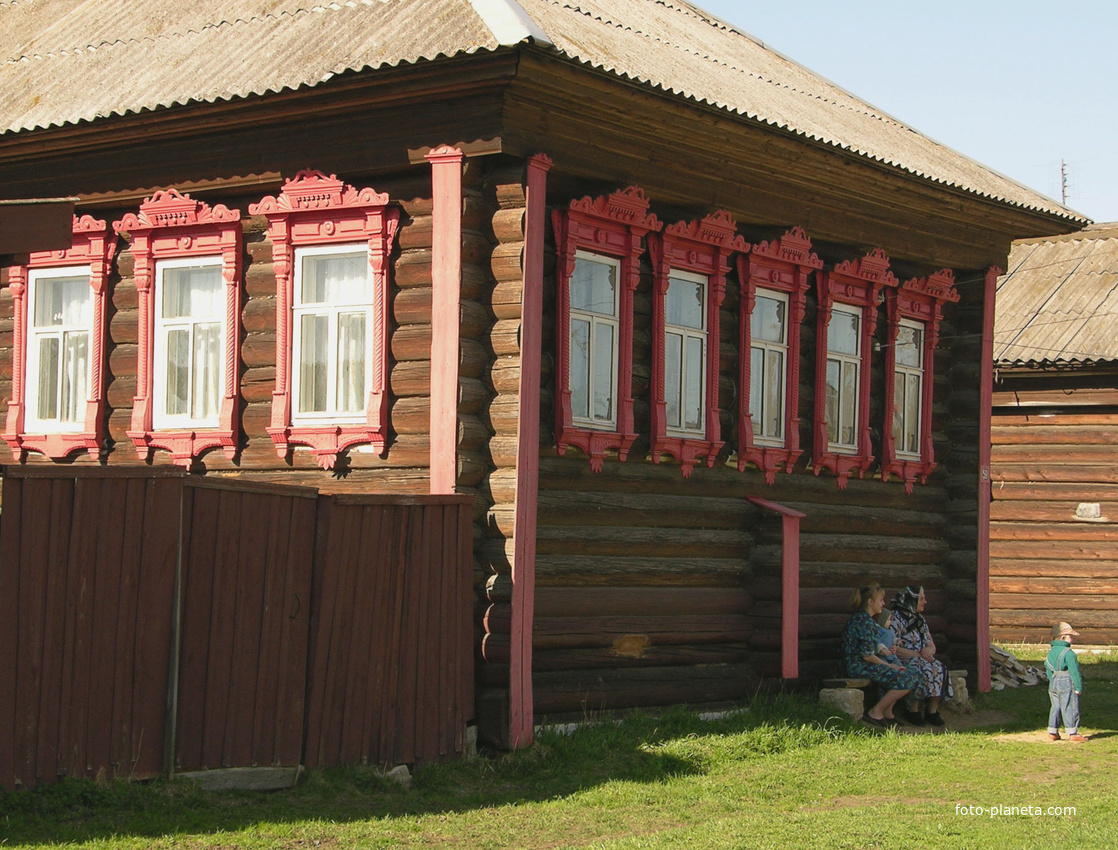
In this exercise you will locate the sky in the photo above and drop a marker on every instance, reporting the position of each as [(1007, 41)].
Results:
[(1018, 86)]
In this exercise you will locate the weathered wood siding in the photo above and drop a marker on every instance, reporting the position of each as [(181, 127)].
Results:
[(1046, 563)]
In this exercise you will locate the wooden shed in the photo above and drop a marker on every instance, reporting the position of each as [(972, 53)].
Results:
[(704, 337), (1053, 543)]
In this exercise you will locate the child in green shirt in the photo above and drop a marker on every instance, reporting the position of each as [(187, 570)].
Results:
[(1064, 684)]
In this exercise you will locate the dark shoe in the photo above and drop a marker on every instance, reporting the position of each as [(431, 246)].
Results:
[(913, 717), (891, 722), (873, 721), (934, 719)]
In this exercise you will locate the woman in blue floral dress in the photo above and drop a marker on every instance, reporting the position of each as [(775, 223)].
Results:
[(917, 649), (860, 658)]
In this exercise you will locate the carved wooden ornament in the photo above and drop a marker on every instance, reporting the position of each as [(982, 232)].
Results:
[(171, 225), (784, 265), (612, 226), (314, 209), (93, 246), (921, 300)]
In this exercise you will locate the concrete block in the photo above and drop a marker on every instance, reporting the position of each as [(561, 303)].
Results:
[(961, 702), (849, 700)]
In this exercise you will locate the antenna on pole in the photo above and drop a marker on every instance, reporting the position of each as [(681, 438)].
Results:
[(1063, 183)]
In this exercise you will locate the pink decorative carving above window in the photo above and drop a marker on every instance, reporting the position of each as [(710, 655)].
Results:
[(849, 296), (174, 227), (685, 319), (599, 242), (315, 212), (915, 310), (774, 279), (90, 256)]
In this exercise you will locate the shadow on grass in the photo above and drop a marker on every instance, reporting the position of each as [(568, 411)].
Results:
[(642, 748)]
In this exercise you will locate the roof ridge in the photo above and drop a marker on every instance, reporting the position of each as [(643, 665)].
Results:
[(172, 35), (509, 22)]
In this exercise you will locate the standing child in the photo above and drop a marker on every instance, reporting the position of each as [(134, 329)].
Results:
[(1064, 684)]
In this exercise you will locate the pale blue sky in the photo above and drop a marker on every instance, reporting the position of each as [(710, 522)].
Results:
[(1017, 86)]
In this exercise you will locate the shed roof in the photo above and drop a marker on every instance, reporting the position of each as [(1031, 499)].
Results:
[(67, 61), (1058, 302)]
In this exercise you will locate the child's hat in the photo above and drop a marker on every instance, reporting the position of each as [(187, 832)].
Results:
[(1061, 629)]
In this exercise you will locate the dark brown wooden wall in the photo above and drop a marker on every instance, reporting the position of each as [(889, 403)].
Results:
[(1046, 564), (361, 606)]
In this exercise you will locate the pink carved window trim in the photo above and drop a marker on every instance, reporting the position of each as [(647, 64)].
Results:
[(171, 225), (703, 248), (316, 210), (611, 226), (93, 246), (782, 265), (919, 300), (858, 284)]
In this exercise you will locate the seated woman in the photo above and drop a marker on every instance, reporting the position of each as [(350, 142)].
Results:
[(860, 658), (916, 648)]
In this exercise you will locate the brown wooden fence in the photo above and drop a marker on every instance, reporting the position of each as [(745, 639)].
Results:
[(155, 622)]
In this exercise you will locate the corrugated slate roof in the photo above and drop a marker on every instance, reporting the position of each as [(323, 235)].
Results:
[(1058, 302), (67, 61)]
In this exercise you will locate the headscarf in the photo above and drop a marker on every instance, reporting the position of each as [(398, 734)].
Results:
[(907, 600)]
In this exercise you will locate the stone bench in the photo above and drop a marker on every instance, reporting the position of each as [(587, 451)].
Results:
[(848, 695)]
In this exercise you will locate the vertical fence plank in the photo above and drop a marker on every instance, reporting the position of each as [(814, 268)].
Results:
[(246, 651), (10, 520), (293, 600)]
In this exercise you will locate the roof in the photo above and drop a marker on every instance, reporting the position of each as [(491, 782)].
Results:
[(1058, 303), (63, 62)]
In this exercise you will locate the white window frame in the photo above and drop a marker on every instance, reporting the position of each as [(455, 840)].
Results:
[(596, 320), (843, 358), (161, 420), (767, 346), (686, 333), (899, 407), (32, 422), (333, 311)]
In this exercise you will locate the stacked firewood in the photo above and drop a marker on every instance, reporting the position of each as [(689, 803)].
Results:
[(1007, 672)]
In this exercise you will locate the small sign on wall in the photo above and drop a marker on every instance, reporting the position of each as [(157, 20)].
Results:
[(1090, 512)]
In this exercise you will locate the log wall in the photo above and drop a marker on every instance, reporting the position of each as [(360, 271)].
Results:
[(1050, 559)]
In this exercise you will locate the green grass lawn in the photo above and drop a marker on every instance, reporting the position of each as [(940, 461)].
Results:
[(785, 772)]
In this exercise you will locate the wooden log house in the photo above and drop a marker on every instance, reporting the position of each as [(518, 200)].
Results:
[(1053, 547), (703, 335)]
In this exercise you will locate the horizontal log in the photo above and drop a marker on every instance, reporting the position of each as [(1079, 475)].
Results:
[(567, 658), (507, 299), (1055, 435), (1020, 550), (557, 632), (410, 378), (1085, 618), (623, 540), (124, 327), (1040, 634), (123, 360), (472, 434), (260, 276), (1036, 455), (254, 391), (416, 233), (1047, 512), (1060, 473), (412, 306), (125, 296), (504, 451), (598, 690), (1056, 398), (504, 337), (121, 392), (563, 508), (567, 570), (506, 262), (614, 601), (503, 415), (1043, 491), (1076, 532), (411, 415), (508, 224), (259, 349), (472, 467), (1071, 567), (259, 314), (1104, 597), (871, 549), (1004, 421)]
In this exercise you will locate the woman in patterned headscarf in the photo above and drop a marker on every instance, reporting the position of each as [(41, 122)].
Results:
[(917, 649)]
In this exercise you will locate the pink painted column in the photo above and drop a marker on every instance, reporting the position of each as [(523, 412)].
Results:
[(789, 585), (446, 278), (521, 714), (985, 411)]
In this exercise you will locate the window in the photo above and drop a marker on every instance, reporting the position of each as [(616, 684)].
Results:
[(187, 266), (915, 310), (599, 243), (690, 261), (774, 278), (330, 249), (189, 343), (848, 303), (59, 297)]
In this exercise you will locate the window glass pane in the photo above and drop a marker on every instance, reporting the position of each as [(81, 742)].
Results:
[(48, 378), (63, 301), (774, 395), (684, 303), (832, 409), (192, 292), (756, 387), (335, 278), (351, 363), (767, 324), (207, 371), (847, 413), (898, 410), (693, 385), (909, 346), (603, 372), (178, 372), (842, 333), (912, 414), (75, 376), (580, 368), (594, 287), (314, 342), (673, 378)]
